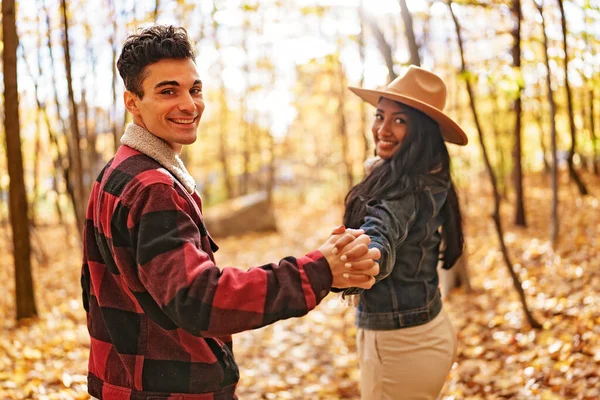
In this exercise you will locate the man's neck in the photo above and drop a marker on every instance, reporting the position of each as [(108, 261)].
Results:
[(142, 140), (177, 148)]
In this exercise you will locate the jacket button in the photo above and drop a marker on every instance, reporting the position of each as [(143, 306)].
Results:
[(323, 293)]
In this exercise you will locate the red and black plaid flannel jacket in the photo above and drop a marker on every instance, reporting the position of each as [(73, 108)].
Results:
[(159, 312)]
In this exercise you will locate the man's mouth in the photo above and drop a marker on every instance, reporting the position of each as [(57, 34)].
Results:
[(183, 121)]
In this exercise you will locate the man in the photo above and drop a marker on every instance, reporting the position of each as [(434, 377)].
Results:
[(160, 313)]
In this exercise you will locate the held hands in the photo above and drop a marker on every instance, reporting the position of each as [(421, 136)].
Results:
[(351, 261)]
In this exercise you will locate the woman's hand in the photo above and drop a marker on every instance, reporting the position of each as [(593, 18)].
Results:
[(351, 261)]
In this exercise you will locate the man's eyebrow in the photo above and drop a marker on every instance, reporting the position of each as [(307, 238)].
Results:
[(166, 83), (175, 83)]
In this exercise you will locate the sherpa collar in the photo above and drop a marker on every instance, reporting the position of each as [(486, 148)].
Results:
[(154, 147)]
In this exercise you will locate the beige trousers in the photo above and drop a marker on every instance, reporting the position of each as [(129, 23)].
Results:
[(406, 364)]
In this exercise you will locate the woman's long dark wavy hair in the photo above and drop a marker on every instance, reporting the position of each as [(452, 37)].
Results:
[(422, 154)]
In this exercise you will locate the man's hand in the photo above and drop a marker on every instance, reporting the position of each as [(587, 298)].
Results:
[(351, 261)]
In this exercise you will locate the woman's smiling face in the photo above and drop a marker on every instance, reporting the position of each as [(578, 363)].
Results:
[(389, 127)]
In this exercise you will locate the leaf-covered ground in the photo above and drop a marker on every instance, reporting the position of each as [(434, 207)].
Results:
[(313, 357)]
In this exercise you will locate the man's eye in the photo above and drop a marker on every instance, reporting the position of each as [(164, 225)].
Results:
[(168, 91), (196, 91)]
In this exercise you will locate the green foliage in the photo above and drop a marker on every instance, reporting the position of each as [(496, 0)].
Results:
[(509, 84), (467, 76)]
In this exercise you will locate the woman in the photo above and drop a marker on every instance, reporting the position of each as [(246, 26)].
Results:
[(407, 204)]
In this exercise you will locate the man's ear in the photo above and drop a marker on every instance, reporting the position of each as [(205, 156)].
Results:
[(131, 102)]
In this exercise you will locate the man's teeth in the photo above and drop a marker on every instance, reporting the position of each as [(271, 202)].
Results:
[(183, 121)]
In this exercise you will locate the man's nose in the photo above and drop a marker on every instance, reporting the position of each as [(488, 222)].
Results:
[(187, 103)]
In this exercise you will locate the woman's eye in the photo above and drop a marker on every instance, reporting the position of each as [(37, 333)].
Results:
[(400, 121), (378, 116)]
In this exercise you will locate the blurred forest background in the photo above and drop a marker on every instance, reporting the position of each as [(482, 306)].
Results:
[(281, 133)]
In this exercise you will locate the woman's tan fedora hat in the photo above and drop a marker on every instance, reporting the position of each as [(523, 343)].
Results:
[(422, 90)]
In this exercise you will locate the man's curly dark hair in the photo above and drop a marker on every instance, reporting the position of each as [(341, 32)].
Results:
[(149, 46)]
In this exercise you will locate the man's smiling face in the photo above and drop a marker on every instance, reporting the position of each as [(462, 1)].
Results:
[(172, 102)]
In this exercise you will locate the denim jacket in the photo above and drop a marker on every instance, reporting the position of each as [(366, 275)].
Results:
[(406, 231)]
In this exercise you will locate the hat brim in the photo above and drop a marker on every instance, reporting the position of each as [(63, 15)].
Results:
[(451, 131)]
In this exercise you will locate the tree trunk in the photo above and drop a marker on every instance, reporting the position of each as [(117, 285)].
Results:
[(496, 215), (126, 117), (413, 47), (65, 161), (462, 273), (343, 128), (90, 157), (538, 116), (38, 123), (94, 164), (593, 132), (57, 172), (156, 9), (112, 40), (572, 172), (457, 276), (270, 187), (497, 133), (589, 21), (224, 115), (384, 48), (517, 174), (547, 168), (244, 184), (36, 168), (53, 74), (271, 168), (43, 112), (243, 125), (223, 133), (4, 221), (76, 168), (363, 105), (583, 114), (19, 221), (554, 166)]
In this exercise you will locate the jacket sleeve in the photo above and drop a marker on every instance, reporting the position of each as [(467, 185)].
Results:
[(387, 223), (198, 296)]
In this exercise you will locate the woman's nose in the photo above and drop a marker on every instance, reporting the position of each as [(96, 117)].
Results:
[(383, 129)]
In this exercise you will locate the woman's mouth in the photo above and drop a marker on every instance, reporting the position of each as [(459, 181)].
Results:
[(387, 143)]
